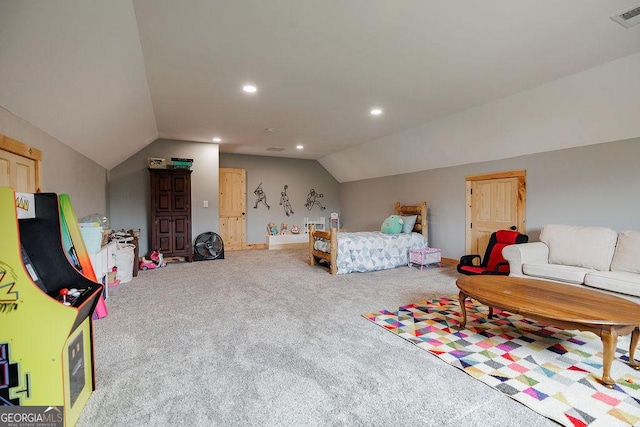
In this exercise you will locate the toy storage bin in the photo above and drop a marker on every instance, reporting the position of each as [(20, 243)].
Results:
[(425, 256), (124, 262)]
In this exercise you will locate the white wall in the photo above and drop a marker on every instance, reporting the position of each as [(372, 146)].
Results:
[(595, 185), (76, 70), (64, 170), (129, 191), (129, 188), (594, 106), (274, 173)]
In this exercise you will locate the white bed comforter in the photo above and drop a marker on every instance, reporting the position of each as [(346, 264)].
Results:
[(372, 250)]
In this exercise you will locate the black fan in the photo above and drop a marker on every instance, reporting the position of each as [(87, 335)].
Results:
[(208, 246)]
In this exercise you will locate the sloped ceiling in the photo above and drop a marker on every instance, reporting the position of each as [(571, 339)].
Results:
[(75, 70), (109, 77)]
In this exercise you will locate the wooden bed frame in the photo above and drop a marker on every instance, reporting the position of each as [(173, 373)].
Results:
[(332, 235)]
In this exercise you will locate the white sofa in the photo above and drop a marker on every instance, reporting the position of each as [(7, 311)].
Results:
[(595, 257)]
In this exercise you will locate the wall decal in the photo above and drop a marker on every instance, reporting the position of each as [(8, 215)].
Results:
[(312, 200), (284, 201), (262, 197)]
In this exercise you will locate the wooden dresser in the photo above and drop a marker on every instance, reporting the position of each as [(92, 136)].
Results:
[(171, 212)]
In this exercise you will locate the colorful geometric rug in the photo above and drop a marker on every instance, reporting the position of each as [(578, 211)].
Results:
[(553, 371)]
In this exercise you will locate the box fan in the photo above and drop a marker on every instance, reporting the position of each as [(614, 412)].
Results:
[(208, 246)]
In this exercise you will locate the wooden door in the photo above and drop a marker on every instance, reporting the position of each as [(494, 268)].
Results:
[(162, 198), (172, 234), (180, 193), (180, 234), (20, 166), (233, 204), (494, 202), (164, 235)]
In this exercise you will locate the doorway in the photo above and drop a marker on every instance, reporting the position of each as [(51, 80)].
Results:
[(232, 202), (494, 202), (20, 166)]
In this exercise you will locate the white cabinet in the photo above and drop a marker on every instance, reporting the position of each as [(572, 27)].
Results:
[(288, 241)]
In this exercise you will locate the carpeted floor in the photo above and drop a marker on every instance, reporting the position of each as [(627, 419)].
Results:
[(263, 339), (553, 371)]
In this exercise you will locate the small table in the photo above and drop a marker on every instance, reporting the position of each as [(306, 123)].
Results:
[(569, 307)]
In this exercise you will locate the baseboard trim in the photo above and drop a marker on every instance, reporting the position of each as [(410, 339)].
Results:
[(255, 246), (451, 262)]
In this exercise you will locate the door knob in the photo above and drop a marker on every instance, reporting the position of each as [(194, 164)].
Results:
[(513, 227)]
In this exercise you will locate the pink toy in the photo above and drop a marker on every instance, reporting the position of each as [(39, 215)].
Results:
[(155, 261)]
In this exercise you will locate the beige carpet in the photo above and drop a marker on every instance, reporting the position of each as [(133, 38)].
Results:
[(263, 339)]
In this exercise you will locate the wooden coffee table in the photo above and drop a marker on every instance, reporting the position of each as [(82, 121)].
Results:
[(566, 306)]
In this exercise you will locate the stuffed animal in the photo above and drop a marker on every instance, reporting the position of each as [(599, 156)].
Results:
[(392, 225), (283, 228), (272, 229), (295, 229)]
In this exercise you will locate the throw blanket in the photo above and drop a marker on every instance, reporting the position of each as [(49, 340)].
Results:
[(372, 250)]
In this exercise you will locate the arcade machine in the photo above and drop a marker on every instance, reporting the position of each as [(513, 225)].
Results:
[(46, 306)]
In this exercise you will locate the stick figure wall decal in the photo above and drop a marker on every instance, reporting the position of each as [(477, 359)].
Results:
[(262, 197), (312, 200), (284, 201)]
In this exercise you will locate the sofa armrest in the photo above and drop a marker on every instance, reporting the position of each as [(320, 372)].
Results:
[(525, 253)]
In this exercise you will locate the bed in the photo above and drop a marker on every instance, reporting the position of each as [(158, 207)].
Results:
[(343, 253)]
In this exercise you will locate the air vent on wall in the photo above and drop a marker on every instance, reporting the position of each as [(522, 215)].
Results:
[(628, 18), (275, 149)]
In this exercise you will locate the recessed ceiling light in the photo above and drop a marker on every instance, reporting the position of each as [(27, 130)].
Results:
[(299, 146), (376, 111), (217, 139), (249, 88)]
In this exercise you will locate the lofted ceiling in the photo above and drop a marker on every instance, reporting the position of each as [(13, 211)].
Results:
[(109, 77)]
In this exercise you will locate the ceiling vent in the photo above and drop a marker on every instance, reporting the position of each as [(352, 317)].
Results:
[(275, 149), (628, 18)]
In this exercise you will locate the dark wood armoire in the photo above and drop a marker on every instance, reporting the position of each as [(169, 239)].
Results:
[(171, 212)]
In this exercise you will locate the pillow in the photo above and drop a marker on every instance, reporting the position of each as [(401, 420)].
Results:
[(626, 256), (392, 225), (409, 222)]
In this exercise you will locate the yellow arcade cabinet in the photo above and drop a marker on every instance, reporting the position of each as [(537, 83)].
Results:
[(46, 307)]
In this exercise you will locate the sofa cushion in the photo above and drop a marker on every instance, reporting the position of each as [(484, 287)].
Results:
[(615, 281), (562, 273), (588, 247), (627, 255)]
